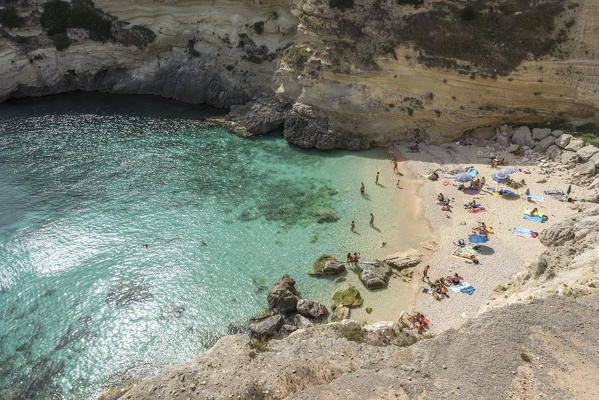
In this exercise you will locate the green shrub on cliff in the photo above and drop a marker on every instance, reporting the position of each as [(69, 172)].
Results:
[(59, 15), (297, 55), (61, 41), (10, 18), (341, 4)]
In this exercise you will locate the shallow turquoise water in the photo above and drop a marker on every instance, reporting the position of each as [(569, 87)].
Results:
[(86, 180)]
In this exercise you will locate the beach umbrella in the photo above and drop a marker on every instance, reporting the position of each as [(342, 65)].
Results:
[(463, 178), (569, 190), (508, 170), (500, 178), (478, 239)]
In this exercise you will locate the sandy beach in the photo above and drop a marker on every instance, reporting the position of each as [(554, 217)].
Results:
[(505, 255)]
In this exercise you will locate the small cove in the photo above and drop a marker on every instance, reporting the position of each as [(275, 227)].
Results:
[(87, 179)]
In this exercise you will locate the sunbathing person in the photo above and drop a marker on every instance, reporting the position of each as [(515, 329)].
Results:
[(455, 279), (518, 152), (433, 176), (534, 212), (471, 205), (440, 197)]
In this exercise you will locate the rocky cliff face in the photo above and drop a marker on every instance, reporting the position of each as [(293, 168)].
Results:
[(338, 74), (547, 348)]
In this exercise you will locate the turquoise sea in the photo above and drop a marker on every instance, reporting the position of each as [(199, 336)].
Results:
[(87, 179)]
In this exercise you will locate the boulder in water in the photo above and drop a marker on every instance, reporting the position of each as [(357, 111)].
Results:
[(375, 275), (327, 265), (282, 296), (311, 309), (349, 297)]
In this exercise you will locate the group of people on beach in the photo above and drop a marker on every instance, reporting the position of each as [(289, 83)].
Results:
[(444, 202), (413, 321), (355, 259), (438, 288)]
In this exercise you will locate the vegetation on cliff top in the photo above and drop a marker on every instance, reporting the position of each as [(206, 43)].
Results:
[(59, 15), (10, 18)]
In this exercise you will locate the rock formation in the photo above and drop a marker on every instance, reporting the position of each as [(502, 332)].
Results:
[(339, 74)]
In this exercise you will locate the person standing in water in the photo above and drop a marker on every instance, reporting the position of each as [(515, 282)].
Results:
[(353, 226), (362, 188), (376, 181), (371, 219), (395, 166)]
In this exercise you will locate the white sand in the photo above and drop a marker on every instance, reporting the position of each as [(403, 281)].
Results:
[(508, 254)]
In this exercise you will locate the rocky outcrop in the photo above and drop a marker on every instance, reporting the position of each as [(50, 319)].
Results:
[(375, 275), (282, 296), (514, 352), (328, 77), (267, 327), (311, 309), (327, 265), (523, 137)]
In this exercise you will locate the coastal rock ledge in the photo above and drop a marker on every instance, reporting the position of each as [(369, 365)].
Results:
[(330, 75), (513, 352)]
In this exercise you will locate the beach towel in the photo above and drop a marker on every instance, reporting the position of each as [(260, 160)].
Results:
[(523, 232), (469, 290), (560, 197), (460, 286), (472, 172), (529, 218), (550, 192), (535, 197), (471, 191), (476, 210)]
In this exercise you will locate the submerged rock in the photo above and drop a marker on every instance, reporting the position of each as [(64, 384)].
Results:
[(375, 275), (327, 265), (325, 215), (349, 297), (282, 295), (128, 293), (311, 309)]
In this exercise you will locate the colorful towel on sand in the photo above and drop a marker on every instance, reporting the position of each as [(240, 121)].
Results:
[(560, 197), (536, 197), (476, 210), (550, 192), (472, 172), (469, 290), (523, 232), (460, 286), (470, 191), (529, 218)]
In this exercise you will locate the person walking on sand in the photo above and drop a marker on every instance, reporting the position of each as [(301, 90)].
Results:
[(353, 226), (376, 181), (372, 219), (425, 274), (362, 188), (395, 166), (397, 184)]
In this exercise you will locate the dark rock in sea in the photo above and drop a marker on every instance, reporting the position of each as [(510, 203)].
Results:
[(172, 311), (282, 296), (268, 327), (327, 265), (259, 284), (325, 215), (375, 275), (128, 293), (235, 327), (311, 309)]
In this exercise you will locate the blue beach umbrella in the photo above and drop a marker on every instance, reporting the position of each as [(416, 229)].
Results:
[(478, 239), (500, 178), (463, 178)]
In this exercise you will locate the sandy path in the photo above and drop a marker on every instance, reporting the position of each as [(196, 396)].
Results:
[(506, 254)]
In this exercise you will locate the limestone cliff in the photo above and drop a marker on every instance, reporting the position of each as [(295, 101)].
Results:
[(341, 73)]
